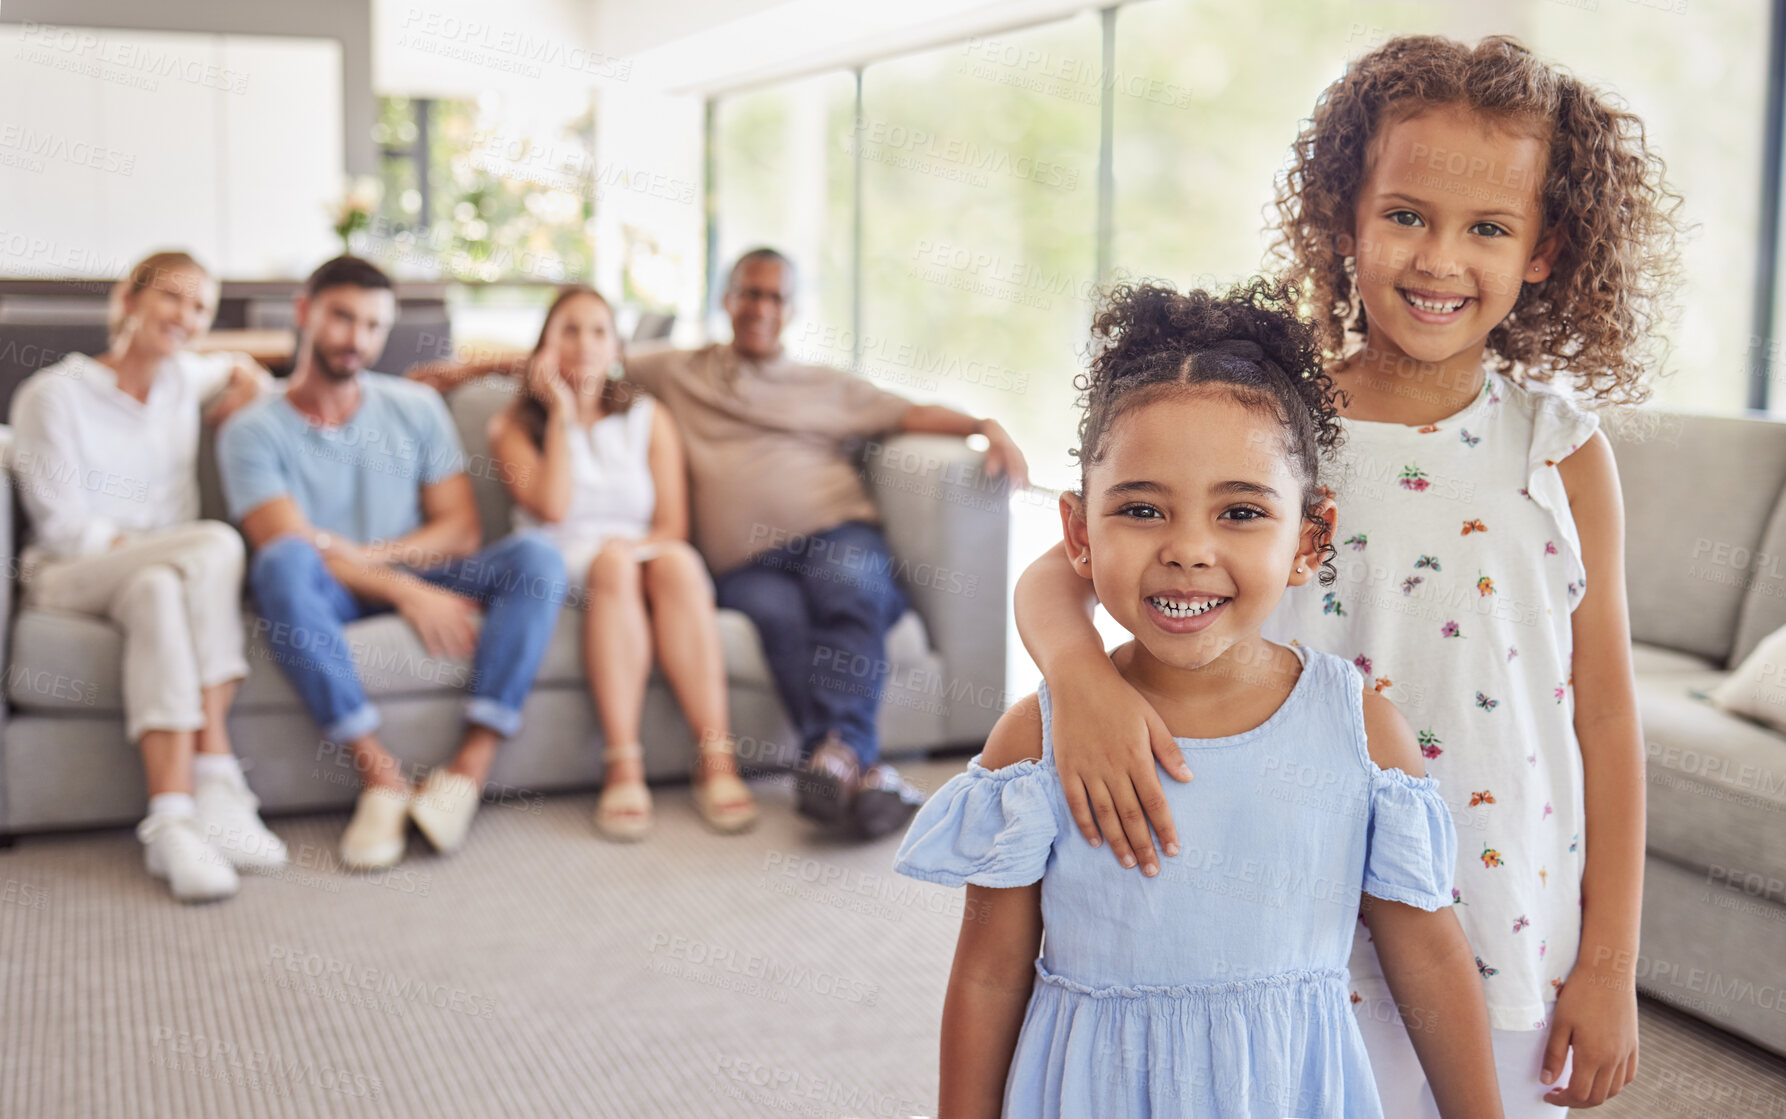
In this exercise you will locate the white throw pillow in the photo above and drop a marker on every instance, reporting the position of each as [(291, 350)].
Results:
[(1757, 689)]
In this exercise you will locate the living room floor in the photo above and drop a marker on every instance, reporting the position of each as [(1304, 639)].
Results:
[(543, 972)]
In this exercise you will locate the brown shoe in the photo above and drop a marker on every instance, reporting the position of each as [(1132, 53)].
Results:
[(885, 801), (825, 787)]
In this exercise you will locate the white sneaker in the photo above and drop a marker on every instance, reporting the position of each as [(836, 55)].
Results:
[(375, 836), (176, 850), (443, 808), (229, 822)]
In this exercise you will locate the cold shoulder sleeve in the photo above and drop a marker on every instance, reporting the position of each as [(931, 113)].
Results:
[(990, 827), (1411, 847), (1559, 428)]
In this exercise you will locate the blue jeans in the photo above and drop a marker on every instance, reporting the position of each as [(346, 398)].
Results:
[(519, 582), (822, 605)]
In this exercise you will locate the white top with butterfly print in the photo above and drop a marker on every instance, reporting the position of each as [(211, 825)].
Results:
[(1459, 566)]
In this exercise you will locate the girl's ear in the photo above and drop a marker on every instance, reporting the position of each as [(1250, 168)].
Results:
[(1544, 258), (1075, 532), (1311, 548)]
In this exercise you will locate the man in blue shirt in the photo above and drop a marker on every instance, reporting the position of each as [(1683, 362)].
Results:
[(351, 488)]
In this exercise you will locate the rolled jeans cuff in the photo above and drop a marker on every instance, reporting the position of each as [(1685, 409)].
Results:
[(355, 724), (486, 712)]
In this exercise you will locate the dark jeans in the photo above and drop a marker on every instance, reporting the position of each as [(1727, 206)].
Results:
[(822, 607), (519, 581)]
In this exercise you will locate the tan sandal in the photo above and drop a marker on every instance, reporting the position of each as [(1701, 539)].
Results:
[(722, 799), (623, 813)]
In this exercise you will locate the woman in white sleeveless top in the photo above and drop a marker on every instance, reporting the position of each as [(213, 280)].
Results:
[(105, 455), (597, 468)]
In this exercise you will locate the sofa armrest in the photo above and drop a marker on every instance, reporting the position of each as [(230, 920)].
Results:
[(949, 527), (9, 567)]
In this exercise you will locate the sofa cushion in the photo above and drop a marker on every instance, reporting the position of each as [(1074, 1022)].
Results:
[(1716, 783), (67, 662), (1686, 556), (1764, 606), (1654, 660), (1756, 688), (472, 405)]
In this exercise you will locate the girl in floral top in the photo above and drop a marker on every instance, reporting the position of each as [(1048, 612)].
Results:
[(1485, 232)]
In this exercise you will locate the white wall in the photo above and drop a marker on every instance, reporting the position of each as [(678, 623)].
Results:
[(462, 48), (116, 143)]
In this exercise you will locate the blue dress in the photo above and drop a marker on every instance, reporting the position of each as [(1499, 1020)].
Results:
[(1217, 988)]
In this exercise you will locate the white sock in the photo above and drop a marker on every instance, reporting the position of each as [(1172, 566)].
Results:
[(172, 804), (216, 765)]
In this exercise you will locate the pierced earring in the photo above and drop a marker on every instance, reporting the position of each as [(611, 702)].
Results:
[(1085, 559)]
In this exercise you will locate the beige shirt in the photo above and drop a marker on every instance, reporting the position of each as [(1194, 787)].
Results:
[(767, 445)]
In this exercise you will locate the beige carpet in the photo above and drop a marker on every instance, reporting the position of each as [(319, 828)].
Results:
[(542, 972)]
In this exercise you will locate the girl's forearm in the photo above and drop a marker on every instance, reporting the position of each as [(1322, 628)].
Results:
[(981, 1020), (1054, 607), (1431, 972), (1613, 799)]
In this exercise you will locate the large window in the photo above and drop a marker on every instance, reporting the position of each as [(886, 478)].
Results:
[(958, 266), (485, 190), (784, 177), (1201, 129), (1697, 76), (980, 214)]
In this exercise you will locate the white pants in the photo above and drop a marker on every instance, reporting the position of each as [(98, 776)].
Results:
[(1519, 1058), (177, 595)]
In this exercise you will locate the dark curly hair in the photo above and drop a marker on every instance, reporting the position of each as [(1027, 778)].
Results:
[(1590, 324), (1149, 340)]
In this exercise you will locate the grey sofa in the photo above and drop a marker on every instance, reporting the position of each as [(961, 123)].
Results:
[(64, 760), (1705, 502)]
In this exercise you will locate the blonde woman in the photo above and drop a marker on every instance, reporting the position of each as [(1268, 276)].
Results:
[(598, 469), (105, 453)]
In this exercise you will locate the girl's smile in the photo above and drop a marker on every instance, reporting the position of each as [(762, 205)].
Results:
[(1192, 525), (1443, 247), (1177, 612)]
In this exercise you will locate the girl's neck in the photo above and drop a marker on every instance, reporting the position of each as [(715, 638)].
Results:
[(1385, 385), (1231, 694), (134, 369), (590, 409)]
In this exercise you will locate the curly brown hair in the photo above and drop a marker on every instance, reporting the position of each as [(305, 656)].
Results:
[(1604, 198), (1149, 340)]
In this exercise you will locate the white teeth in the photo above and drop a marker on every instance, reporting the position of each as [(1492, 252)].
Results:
[(1172, 608), (1436, 307)]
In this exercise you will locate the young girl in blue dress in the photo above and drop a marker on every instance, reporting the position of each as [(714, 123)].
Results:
[(1219, 990), (1479, 229)]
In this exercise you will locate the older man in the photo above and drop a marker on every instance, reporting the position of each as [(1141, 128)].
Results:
[(785, 523)]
